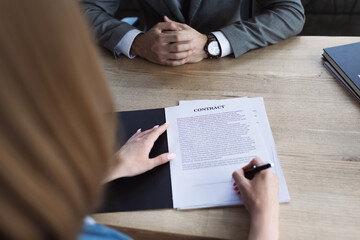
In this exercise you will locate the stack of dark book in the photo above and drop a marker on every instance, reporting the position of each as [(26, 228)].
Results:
[(344, 63)]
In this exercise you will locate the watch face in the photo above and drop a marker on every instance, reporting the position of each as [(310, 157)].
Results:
[(214, 48)]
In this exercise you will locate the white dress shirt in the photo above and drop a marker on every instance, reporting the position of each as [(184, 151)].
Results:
[(124, 45)]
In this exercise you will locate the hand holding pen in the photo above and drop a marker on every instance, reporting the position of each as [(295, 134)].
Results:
[(260, 197)]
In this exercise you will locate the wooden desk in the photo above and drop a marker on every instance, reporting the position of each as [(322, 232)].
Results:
[(315, 123)]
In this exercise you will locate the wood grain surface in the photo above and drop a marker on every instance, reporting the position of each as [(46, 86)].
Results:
[(315, 124)]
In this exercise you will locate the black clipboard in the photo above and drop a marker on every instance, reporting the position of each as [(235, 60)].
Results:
[(150, 190)]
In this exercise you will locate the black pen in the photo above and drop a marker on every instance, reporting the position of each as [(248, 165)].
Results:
[(249, 173)]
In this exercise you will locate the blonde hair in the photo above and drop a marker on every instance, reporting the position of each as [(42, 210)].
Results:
[(56, 121)]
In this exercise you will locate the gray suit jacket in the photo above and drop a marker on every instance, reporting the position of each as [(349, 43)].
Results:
[(272, 20)]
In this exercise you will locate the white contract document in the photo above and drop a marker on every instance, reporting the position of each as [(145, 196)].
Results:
[(211, 139), (259, 112)]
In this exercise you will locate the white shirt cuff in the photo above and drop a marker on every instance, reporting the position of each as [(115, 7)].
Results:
[(224, 43), (124, 45)]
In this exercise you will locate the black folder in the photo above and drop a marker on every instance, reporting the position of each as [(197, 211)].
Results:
[(344, 63), (151, 190), (332, 70)]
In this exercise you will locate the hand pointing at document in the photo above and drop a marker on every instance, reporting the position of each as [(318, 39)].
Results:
[(133, 157)]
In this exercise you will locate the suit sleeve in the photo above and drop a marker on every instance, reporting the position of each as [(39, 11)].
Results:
[(108, 31), (279, 20)]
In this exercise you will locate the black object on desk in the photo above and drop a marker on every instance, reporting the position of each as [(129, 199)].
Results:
[(249, 173), (344, 63), (150, 190)]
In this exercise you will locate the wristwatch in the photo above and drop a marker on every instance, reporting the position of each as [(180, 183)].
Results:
[(212, 47)]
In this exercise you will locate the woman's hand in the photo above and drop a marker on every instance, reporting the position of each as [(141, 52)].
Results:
[(260, 197), (133, 157)]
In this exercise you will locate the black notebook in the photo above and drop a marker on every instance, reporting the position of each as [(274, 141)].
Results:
[(344, 63), (150, 190)]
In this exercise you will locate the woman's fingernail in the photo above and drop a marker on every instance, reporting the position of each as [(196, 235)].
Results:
[(171, 156), (234, 184), (156, 126), (167, 124), (139, 130), (236, 189), (238, 192)]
